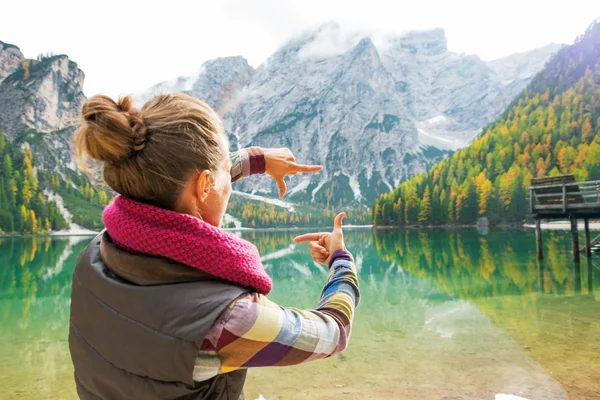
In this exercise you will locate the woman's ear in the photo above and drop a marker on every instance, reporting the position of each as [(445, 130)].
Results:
[(203, 185)]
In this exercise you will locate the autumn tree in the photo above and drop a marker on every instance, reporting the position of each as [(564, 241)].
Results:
[(425, 207)]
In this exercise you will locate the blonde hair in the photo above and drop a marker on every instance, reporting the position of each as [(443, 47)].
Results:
[(150, 154)]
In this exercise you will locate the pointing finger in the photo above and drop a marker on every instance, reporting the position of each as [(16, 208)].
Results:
[(309, 237), (306, 168)]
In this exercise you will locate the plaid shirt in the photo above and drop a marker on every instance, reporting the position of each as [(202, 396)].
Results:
[(255, 332)]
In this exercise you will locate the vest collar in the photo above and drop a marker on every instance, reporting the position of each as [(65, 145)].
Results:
[(146, 270)]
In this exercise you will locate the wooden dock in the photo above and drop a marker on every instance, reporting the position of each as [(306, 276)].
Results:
[(562, 198)]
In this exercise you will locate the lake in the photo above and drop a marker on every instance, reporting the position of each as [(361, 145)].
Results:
[(443, 315)]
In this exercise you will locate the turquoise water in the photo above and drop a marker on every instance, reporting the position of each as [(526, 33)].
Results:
[(444, 315)]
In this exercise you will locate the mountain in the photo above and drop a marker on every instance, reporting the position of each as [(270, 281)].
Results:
[(552, 128), (41, 99), (40, 187), (453, 96), (10, 59), (374, 114), (522, 66), (219, 82), (44, 95)]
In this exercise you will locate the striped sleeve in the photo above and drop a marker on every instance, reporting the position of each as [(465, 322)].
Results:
[(247, 162), (256, 332)]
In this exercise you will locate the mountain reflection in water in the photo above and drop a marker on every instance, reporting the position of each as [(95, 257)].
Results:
[(443, 315)]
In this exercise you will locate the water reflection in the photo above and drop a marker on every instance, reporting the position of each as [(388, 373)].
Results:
[(470, 266), (550, 308), (443, 315), (35, 279)]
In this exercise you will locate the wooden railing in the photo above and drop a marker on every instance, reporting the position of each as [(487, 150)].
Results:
[(564, 198), (593, 243)]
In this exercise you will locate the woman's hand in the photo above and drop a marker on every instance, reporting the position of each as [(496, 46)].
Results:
[(281, 162), (322, 245)]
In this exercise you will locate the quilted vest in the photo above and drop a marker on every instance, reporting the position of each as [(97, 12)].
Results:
[(137, 323)]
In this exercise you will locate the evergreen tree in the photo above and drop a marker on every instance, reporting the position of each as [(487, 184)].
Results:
[(425, 210)]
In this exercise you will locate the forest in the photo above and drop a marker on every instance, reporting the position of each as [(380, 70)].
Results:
[(23, 205), (551, 129), (258, 214), (28, 193)]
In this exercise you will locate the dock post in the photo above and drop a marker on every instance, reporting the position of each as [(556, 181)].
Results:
[(590, 274), (575, 239), (540, 271), (577, 278), (538, 240), (588, 247)]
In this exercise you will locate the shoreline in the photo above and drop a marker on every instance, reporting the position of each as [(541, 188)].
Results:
[(549, 226), (86, 232), (295, 228), (52, 234), (563, 225)]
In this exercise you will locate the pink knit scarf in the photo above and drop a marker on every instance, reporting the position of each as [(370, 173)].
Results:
[(142, 228)]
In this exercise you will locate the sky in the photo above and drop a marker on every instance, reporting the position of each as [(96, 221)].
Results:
[(127, 46)]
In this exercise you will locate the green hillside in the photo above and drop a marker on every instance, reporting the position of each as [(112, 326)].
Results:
[(552, 128), (23, 206), (26, 192)]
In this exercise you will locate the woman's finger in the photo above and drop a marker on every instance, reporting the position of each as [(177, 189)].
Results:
[(282, 186), (317, 247), (309, 237), (322, 240), (321, 260), (337, 223), (317, 254), (306, 168)]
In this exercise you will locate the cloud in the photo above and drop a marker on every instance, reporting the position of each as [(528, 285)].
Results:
[(174, 85), (131, 45), (330, 40)]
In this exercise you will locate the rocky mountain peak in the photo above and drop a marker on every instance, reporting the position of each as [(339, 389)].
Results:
[(221, 80), (426, 43), (364, 72), (234, 62), (10, 59), (366, 47), (217, 82), (44, 95)]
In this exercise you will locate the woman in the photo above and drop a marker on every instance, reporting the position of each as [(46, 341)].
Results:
[(165, 305)]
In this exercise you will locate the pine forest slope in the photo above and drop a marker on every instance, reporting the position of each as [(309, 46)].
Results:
[(552, 128)]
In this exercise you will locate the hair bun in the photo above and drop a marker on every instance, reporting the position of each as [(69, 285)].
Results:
[(112, 131), (140, 136), (125, 104)]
